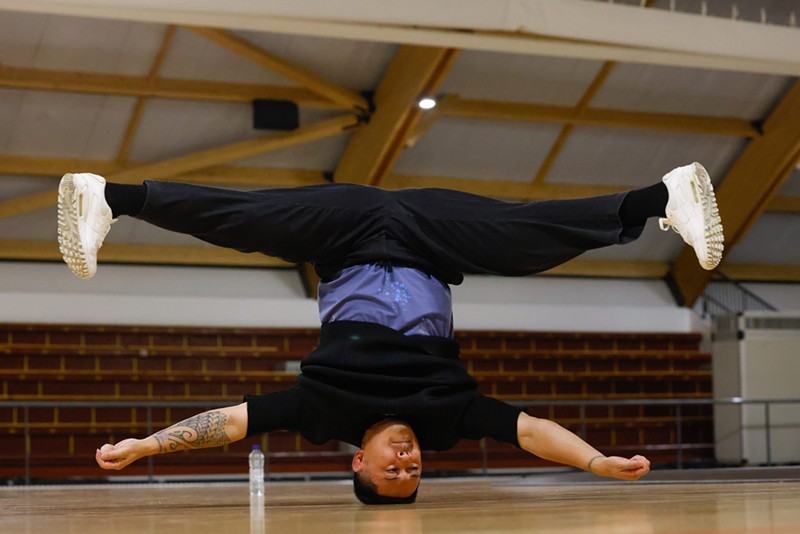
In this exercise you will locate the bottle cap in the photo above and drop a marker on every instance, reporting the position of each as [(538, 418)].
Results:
[(256, 447)]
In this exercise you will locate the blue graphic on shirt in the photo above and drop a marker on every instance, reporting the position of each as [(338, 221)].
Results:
[(396, 292), (403, 298)]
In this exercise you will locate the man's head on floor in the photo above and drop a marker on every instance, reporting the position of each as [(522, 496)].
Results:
[(388, 466)]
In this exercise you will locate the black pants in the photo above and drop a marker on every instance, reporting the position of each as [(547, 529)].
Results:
[(445, 233)]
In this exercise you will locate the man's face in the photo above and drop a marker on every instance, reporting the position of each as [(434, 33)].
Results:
[(390, 458)]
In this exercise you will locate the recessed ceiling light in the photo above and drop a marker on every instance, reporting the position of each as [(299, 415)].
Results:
[(427, 103)]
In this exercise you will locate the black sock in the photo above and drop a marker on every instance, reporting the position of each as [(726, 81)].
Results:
[(124, 199), (641, 204)]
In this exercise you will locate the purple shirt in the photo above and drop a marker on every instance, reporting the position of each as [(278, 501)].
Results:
[(402, 298)]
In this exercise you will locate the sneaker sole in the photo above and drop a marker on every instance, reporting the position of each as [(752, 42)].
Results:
[(712, 222), (69, 241)]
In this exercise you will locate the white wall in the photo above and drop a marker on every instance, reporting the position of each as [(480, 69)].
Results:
[(118, 294), (43, 292), (549, 303)]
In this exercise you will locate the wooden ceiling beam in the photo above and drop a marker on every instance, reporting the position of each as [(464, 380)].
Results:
[(414, 72), (51, 167), (747, 190), (517, 111), (140, 86), (308, 79), (218, 175), (762, 273), (785, 204), (141, 253), (611, 269), (192, 162)]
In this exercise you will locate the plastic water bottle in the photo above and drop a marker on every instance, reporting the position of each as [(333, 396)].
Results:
[(256, 471)]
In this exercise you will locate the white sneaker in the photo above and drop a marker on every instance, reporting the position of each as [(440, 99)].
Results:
[(692, 212), (84, 219)]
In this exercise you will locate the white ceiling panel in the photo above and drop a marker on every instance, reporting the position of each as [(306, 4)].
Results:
[(66, 125), (41, 225), (194, 57), (519, 78), (34, 226), (792, 185), (638, 157), (357, 65), (773, 239), (354, 64), (14, 186), (637, 87), (20, 35), (479, 149), (175, 128), (320, 155), (10, 104), (78, 44)]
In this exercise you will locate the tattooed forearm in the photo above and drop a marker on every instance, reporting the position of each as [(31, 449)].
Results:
[(203, 430)]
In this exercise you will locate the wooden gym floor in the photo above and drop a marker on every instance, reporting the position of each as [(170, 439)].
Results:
[(510, 504)]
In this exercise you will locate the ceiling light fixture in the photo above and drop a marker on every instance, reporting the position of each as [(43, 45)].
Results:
[(427, 103)]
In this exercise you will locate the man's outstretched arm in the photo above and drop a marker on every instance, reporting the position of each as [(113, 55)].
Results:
[(213, 428), (549, 440)]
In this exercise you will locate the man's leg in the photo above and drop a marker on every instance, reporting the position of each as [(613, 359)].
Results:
[(318, 223), (303, 224), (471, 234), (464, 233)]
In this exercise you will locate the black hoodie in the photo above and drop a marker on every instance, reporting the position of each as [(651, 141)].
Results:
[(364, 372)]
